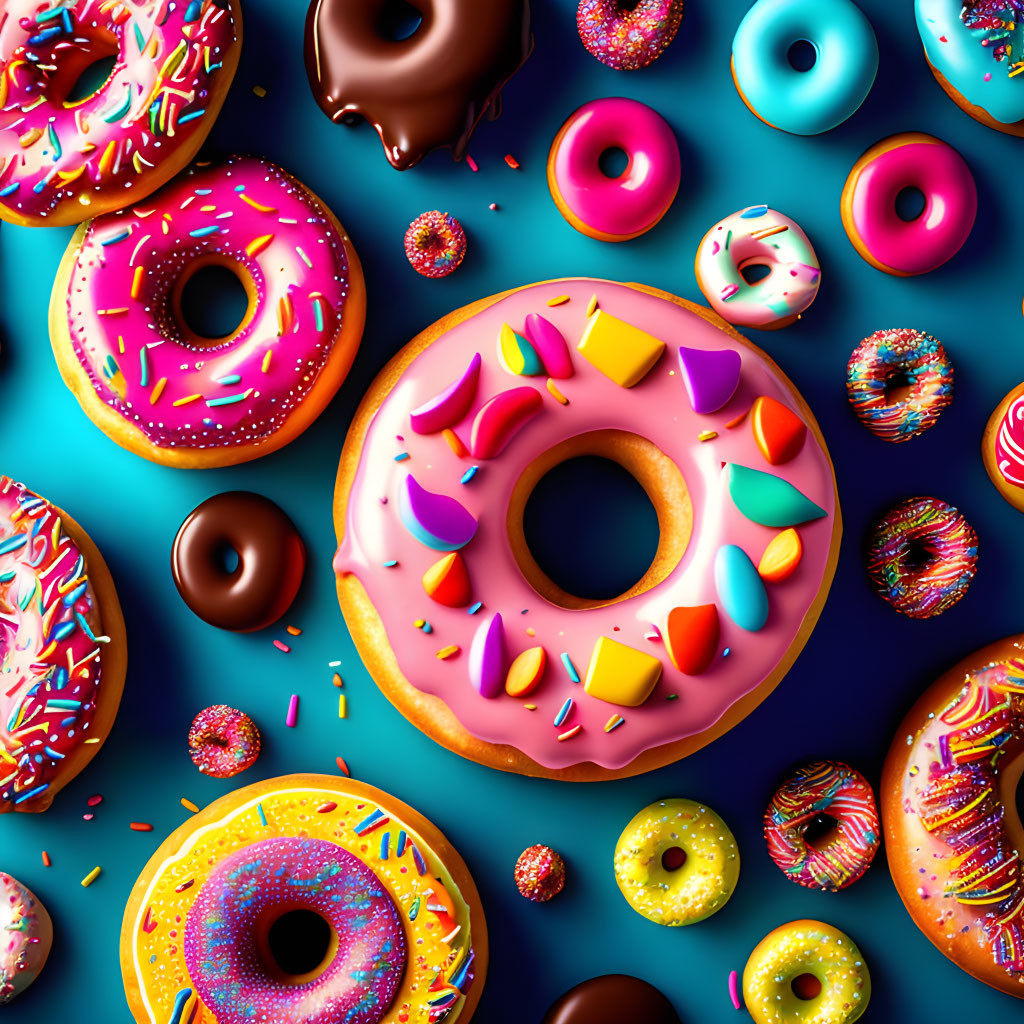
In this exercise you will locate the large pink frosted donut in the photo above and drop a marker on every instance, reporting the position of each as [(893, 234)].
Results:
[(226, 945), (879, 234), (614, 209), (62, 162)]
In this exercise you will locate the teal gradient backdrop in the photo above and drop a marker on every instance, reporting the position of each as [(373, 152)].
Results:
[(848, 690)]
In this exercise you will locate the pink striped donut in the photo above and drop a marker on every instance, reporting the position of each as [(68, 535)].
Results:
[(62, 162), (831, 799)]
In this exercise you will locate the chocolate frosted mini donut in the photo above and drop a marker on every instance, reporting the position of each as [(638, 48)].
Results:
[(427, 90), (610, 999), (271, 561)]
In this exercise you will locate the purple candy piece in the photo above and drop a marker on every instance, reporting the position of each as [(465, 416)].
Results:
[(437, 520), (447, 408), (487, 658), (711, 377), (547, 339)]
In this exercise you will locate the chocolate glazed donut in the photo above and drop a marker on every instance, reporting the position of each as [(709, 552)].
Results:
[(422, 92), (271, 561), (612, 999)]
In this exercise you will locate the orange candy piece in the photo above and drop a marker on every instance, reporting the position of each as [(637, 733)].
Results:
[(447, 581), (778, 431), (526, 672), (691, 637), (781, 556)]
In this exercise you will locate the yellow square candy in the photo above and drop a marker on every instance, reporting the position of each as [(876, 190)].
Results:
[(620, 674), (619, 350)]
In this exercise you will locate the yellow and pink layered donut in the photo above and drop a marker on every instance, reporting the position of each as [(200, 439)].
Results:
[(153, 384), (458, 624), (63, 160), (62, 649)]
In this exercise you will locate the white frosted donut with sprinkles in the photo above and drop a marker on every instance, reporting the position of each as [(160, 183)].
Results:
[(153, 384), (26, 935), (65, 159)]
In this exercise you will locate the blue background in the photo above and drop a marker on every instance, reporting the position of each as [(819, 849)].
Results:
[(847, 692)]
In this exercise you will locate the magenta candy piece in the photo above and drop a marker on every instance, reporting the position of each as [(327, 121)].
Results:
[(487, 658), (711, 377), (437, 520), (447, 408), (547, 339), (501, 418)]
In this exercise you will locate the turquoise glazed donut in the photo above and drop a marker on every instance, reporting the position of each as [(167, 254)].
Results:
[(804, 102)]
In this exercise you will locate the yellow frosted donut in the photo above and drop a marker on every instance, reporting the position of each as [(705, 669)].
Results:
[(806, 972), (677, 862)]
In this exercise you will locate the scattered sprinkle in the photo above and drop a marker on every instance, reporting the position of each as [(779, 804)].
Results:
[(88, 817), (282, 647), (263, 817), (327, 807), (672, 696), (472, 164), (342, 766), (333, 664), (737, 420), (454, 442), (734, 990), (592, 306), (140, 826), (402, 456), (512, 161), (563, 712), (558, 300), (469, 474), (613, 723), (424, 625), (342, 706), (556, 394), (474, 607), (294, 630), (727, 652), (337, 681), (94, 801), (182, 886), (259, 91), (91, 877), (189, 806), (707, 435), (293, 711), (46, 859), (390, 564), (492, 206), (570, 667), (448, 652), (570, 733)]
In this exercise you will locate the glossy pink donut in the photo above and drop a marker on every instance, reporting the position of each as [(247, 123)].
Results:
[(879, 234), (614, 209)]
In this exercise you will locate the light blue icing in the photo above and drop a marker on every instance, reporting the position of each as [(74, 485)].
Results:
[(813, 101), (740, 588), (965, 62)]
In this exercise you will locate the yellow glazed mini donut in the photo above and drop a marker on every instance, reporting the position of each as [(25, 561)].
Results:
[(677, 862), (806, 972)]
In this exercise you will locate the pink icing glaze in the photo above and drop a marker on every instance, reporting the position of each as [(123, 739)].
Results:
[(26, 935), (657, 408), (56, 158), (951, 202), (50, 646), (254, 216), (1010, 443), (640, 197)]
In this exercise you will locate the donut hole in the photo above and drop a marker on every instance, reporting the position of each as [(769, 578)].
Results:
[(614, 162), (918, 554), (754, 273), (398, 20), (910, 203), (821, 830), (806, 986), (226, 559), (898, 385), (84, 70), (298, 943), (212, 301), (673, 858), (802, 55), (598, 519)]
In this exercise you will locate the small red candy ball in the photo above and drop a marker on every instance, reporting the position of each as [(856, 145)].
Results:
[(540, 873)]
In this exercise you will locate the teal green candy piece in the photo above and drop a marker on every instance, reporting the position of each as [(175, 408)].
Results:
[(769, 500), (740, 588)]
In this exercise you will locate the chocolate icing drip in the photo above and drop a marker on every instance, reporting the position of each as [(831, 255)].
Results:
[(612, 999), (423, 92)]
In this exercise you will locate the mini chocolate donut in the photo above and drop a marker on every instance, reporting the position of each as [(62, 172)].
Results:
[(610, 999), (423, 92), (271, 561)]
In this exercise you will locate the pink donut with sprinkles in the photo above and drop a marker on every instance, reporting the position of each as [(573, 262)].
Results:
[(62, 649), (158, 388), (63, 161), (26, 935), (435, 244), (822, 826), (628, 36), (223, 741)]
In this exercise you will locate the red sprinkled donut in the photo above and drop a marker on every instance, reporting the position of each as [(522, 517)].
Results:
[(223, 741), (628, 37), (435, 244), (540, 873)]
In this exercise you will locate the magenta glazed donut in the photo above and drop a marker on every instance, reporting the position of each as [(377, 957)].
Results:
[(628, 36), (883, 238), (365, 960), (223, 741), (614, 209)]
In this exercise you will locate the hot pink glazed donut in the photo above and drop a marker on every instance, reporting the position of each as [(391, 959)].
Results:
[(474, 643), (628, 36), (62, 649), (62, 162), (614, 209), (26, 935), (158, 388), (226, 948), (223, 741), (879, 234)]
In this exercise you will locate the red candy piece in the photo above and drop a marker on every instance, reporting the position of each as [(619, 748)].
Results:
[(501, 418), (540, 873), (447, 581), (691, 638), (778, 431)]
